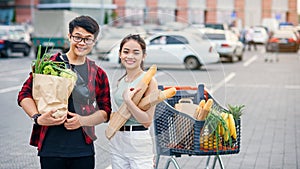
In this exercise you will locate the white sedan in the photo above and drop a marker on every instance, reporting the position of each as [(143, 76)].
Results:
[(260, 35), (228, 45), (176, 48)]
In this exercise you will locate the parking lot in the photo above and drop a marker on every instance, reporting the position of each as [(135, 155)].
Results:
[(269, 90)]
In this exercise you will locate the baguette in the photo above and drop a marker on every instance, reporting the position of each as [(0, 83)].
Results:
[(122, 115), (156, 97), (199, 108), (206, 109)]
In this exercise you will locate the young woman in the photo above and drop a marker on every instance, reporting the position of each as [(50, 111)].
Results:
[(132, 146)]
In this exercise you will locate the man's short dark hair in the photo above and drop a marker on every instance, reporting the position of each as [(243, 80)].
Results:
[(87, 23)]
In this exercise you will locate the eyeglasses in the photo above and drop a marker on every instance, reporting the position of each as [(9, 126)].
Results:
[(78, 39)]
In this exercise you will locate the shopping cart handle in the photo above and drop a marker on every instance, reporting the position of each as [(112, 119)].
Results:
[(182, 87), (178, 88)]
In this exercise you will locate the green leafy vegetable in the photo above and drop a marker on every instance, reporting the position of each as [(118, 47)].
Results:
[(43, 65)]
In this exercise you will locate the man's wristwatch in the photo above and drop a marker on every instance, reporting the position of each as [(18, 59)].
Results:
[(35, 117)]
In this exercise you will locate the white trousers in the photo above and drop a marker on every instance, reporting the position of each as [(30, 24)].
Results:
[(132, 150)]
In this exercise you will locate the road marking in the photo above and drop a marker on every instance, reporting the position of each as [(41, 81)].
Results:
[(292, 86), (223, 82), (9, 89), (109, 167), (14, 72), (249, 61)]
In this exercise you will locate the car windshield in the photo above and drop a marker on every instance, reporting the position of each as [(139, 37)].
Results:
[(215, 36)]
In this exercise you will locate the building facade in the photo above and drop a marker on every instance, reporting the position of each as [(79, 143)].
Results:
[(236, 12)]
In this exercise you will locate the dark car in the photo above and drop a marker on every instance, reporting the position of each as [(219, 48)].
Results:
[(14, 39), (283, 41)]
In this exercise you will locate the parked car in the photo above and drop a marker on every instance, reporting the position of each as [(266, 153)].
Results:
[(283, 41), (260, 35), (14, 39), (221, 26), (111, 36), (227, 44), (176, 48)]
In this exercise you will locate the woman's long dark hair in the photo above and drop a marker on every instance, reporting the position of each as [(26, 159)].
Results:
[(137, 38)]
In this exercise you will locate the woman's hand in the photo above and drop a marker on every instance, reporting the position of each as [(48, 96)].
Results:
[(73, 122), (47, 119), (129, 93)]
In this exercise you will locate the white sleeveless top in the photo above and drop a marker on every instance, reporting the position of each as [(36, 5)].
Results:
[(119, 92)]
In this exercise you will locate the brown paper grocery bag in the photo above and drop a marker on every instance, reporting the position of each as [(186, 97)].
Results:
[(186, 105), (52, 92)]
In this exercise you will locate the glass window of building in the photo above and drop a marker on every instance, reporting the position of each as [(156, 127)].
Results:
[(253, 14), (279, 9), (166, 11), (196, 11), (224, 11), (135, 11)]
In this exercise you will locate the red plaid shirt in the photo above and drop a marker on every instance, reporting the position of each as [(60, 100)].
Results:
[(100, 91)]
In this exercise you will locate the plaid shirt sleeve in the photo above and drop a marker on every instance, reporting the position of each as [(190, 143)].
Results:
[(26, 90), (102, 90)]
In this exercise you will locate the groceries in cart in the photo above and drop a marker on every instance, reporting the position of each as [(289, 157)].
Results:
[(195, 124), (219, 130)]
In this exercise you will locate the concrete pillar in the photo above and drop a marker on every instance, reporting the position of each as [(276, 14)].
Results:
[(120, 11), (292, 15), (182, 11), (239, 6), (151, 11), (266, 8), (211, 11)]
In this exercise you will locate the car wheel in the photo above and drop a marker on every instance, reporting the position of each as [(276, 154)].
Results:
[(233, 57), (191, 62), (26, 51), (7, 53), (240, 57)]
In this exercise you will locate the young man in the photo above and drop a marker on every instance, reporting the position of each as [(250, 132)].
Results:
[(67, 142)]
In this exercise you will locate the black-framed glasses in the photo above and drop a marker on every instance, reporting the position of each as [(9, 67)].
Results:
[(87, 41)]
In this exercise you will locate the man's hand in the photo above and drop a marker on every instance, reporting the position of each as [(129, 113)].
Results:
[(47, 119), (73, 122)]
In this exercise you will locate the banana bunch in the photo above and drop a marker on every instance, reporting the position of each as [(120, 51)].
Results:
[(228, 128)]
